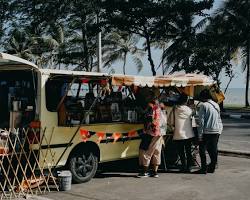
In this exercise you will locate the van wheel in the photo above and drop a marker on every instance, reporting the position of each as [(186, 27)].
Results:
[(83, 166)]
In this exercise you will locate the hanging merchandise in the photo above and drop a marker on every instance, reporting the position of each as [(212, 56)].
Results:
[(85, 80), (103, 82), (105, 87), (115, 112)]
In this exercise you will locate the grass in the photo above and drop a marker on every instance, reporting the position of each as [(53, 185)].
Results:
[(236, 107), (233, 106)]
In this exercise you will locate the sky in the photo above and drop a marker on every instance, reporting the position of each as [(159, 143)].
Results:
[(238, 81)]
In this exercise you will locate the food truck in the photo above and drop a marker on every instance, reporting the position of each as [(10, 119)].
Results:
[(87, 117)]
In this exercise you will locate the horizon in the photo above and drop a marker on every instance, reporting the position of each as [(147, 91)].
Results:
[(234, 88)]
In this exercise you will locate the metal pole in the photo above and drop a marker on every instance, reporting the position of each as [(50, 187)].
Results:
[(99, 48)]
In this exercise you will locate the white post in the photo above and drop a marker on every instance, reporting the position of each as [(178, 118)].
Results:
[(99, 49)]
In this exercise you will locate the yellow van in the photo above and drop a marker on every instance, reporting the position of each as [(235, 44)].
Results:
[(88, 117), (59, 101)]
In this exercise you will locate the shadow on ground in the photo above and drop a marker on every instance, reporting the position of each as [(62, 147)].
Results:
[(121, 168), (127, 165), (129, 168)]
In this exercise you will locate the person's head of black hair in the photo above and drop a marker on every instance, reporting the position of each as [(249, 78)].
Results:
[(152, 97), (205, 95), (183, 99)]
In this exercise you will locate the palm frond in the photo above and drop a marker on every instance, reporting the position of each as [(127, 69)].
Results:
[(51, 43), (201, 24), (58, 33), (135, 39), (109, 60), (244, 65), (138, 63)]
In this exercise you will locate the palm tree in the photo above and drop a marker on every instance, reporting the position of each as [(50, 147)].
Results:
[(118, 46), (19, 44), (4, 15), (236, 16), (161, 45), (41, 49), (182, 42), (71, 52), (177, 28), (53, 43)]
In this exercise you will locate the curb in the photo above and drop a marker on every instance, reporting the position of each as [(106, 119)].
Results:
[(240, 154), (245, 116), (33, 197), (235, 116)]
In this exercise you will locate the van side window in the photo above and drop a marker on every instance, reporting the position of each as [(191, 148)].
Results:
[(53, 94), (56, 89)]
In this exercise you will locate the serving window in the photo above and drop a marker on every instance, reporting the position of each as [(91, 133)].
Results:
[(81, 100), (17, 98)]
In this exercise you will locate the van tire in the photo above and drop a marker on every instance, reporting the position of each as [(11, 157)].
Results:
[(83, 166)]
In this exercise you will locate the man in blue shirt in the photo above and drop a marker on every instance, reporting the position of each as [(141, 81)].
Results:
[(210, 127)]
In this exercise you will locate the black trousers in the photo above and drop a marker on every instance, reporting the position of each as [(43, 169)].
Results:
[(209, 143), (184, 151)]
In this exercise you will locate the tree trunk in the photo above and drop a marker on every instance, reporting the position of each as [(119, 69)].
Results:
[(219, 84), (124, 64), (162, 60), (230, 80), (150, 55), (247, 76), (84, 42), (91, 64)]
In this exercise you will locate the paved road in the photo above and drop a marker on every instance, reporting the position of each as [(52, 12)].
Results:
[(231, 181), (236, 135), (117, 180)]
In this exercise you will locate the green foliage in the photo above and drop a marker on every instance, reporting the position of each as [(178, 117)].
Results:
[(212, 52), (41, 50), (139, 17), (158, 20), (182, 33), (55, 33), (234, 27), (118, 46), (5, 15), (67, 28)]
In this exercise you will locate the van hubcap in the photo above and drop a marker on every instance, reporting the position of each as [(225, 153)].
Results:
[(84, 165)]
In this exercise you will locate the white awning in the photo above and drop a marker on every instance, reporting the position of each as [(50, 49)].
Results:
[(73, 73), (10, 62), (183, 80)]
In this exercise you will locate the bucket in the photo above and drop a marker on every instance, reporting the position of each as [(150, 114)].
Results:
[(65, 178)]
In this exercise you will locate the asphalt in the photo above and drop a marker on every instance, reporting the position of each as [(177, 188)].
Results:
[(118, 182), (236, 113), (235, 138)]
